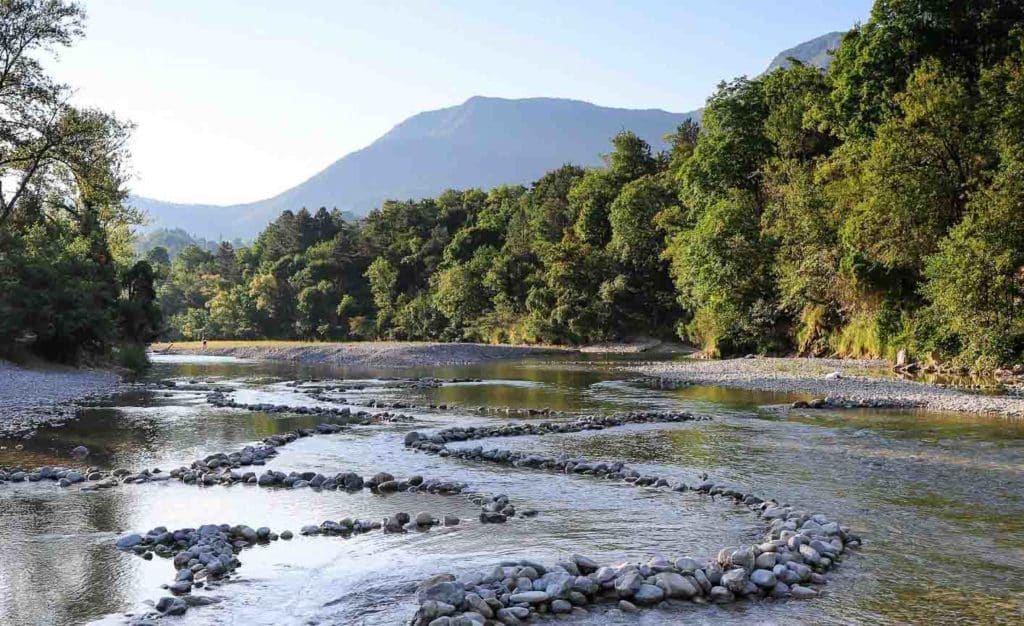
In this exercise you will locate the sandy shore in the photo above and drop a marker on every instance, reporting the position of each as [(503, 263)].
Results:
[(30, 398), (861, 382), (370, 354)]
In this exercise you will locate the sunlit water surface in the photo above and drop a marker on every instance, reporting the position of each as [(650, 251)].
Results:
[(937, 498)]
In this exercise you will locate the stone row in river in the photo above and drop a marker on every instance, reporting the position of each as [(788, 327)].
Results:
[(221, 400), (790, 562), (587, 422), (201, 471)]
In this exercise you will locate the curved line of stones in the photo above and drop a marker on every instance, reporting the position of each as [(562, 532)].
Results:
[(318, 388), (206, 555), (797, 550), (201, 471), (220, 399)]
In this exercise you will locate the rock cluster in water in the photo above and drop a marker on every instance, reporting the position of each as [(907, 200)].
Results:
[(201, 555), (790, 562)]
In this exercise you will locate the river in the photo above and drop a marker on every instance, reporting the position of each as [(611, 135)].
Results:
[(938, 499)]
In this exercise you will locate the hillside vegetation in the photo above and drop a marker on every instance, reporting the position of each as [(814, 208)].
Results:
[(874, 207)]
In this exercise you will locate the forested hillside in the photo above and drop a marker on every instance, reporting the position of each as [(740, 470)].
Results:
[(874, 207), (480, 143)]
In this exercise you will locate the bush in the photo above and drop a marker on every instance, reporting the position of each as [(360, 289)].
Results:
[(133, 356)]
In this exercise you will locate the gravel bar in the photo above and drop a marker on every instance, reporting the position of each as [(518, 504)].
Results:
[(376, 353), (855, 384), (31, 398)]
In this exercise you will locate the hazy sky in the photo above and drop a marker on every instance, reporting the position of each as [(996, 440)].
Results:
[(236, 100)]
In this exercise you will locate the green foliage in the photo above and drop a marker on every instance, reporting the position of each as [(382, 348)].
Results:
[(874, 61), (140, 318), (66, 290), (59, 293), (722, 270), (133, 357)]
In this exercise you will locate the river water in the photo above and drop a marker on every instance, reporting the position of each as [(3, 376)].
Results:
[(938, 499)]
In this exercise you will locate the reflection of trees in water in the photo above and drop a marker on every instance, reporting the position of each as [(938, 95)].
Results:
[(54, 565)]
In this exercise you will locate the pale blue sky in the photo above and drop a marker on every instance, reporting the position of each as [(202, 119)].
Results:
[(236, 100)]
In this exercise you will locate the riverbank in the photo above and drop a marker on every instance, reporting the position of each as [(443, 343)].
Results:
[(35, 397), (859, 382), (366, 353)]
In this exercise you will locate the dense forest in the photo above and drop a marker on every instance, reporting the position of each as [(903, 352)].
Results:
[(874, 207), (69, 287)]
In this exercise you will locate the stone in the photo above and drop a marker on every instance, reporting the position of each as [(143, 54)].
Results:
[(628, 607), (744, 557), (810, 555), (687, 564), (721, 595), (765, 560), (802, 593), (648, 595), (424, 519), (763, 578), (529, 597), (561, 606), (446, 592), (735, 580), (780, 590), (559, 584), (129, 541), (507, 617), (169, 605), (585, 564), (451, 520), (628, 584), (80, 452), (674, 585)]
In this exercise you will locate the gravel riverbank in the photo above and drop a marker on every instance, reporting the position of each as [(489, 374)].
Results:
[(30, 398), (860, 382), (368, 353)]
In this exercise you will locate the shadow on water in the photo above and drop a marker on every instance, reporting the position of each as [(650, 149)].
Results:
[(938, 499)]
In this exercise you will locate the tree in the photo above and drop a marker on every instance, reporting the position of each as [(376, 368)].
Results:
[(875, 60), (920, 170), (140, 316), (722, 270)]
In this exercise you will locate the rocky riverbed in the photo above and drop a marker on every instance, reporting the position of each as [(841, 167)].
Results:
[(836, 383), (32, 398), (648, 481)]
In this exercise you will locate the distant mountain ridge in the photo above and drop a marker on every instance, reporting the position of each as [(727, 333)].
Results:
[(817, 51), (482, 142)]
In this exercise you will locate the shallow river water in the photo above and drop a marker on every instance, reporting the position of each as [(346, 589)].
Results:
[(938, 499)]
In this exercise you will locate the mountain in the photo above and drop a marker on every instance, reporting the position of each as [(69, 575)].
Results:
[(482, 142), (814, 52)]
